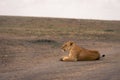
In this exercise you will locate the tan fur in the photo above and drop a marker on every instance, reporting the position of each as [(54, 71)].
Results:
[(77, 53)]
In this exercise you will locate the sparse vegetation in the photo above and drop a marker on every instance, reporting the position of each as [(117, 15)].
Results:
[(59, 28)]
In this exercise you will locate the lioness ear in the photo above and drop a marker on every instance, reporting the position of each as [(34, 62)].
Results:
[(71, 43)]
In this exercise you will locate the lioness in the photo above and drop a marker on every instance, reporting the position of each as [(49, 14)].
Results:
[(77, 53)]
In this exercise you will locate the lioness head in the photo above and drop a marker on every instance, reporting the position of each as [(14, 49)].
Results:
[(67, 46)]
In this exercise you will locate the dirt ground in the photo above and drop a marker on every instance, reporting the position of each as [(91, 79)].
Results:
[(26, 55), (30, 59)]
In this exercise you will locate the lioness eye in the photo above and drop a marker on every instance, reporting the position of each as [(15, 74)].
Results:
[(65, 45)]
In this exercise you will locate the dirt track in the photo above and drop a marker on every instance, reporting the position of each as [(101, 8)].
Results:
[(40, 64)]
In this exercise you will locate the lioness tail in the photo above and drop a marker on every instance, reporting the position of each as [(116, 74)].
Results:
[(103, 55)]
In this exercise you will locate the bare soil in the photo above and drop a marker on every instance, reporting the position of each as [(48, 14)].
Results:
[(27, 54)]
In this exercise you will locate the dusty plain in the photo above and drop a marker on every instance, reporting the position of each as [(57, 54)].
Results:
[(30, 48)]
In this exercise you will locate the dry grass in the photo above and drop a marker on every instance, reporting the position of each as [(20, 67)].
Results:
[(60, 28)]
